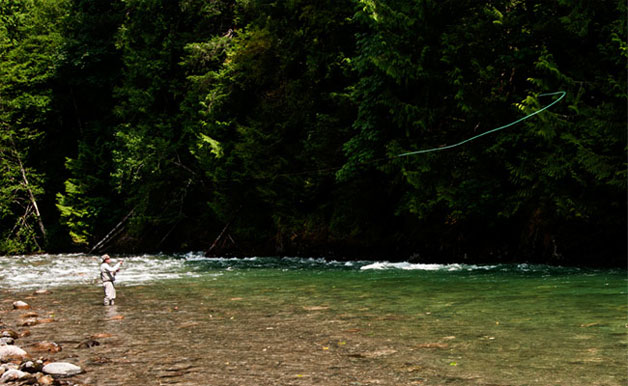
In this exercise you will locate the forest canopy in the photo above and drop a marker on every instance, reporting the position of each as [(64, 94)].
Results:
[(252, 127)]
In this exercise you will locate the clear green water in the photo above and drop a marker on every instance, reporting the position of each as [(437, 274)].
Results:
[(506, 325)]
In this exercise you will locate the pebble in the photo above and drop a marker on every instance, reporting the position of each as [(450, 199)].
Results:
[(101, 335), (9, 334), (32, 366), (88, 343), (20, 369), (46, 346), (45, 380), (6, 367), (29, 322), (6, 340), (62, 369), (13, 375), (20, 305), (10, 351)]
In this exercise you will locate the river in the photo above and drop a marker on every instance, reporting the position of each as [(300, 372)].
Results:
[(187, 319)]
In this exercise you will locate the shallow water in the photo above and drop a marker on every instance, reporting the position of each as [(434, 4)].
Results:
[(192, 320)]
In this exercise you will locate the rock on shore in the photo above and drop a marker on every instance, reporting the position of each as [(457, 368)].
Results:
[(10, 352), (9, 373), (16, 365), (13, 375), (62, 369)]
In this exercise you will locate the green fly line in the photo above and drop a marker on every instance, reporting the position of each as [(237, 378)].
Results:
[(562, 95)]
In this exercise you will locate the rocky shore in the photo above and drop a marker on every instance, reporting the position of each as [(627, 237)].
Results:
[(34, 365)]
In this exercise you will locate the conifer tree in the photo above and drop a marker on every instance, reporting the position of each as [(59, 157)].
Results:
[(29, 42)]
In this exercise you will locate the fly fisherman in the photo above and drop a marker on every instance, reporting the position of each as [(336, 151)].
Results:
[(108, 277)]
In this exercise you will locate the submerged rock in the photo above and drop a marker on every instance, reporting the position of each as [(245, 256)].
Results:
[(20, 305), (29, 322), (30, 314), (45, 320), (88, 343), (433, 345), (12, 352), (62, 369), (9, 334), (46, 346), (101, 335), (316, 308)]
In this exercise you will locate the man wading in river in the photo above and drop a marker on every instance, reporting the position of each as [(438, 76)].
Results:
[(108, 277)]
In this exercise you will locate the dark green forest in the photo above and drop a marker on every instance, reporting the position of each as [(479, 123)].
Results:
[(265, 127)]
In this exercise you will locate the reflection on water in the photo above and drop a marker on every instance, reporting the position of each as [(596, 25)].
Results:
[(111, 313), (294, 321)]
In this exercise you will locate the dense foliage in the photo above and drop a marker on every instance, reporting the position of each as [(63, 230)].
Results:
[(274, 127)]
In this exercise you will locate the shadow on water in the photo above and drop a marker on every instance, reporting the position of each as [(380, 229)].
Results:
[(188, 320)]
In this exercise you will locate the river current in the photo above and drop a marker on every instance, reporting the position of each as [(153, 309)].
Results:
[(187, 319)]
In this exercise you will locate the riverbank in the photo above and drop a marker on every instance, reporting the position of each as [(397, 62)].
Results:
[(35, 366)]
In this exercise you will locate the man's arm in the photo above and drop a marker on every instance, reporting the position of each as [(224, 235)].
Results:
[(113, 269)]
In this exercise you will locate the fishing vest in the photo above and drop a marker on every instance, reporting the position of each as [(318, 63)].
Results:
[(105, 274)]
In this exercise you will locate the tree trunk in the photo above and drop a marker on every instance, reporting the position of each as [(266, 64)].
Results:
[(28, 189), (112, 232)]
